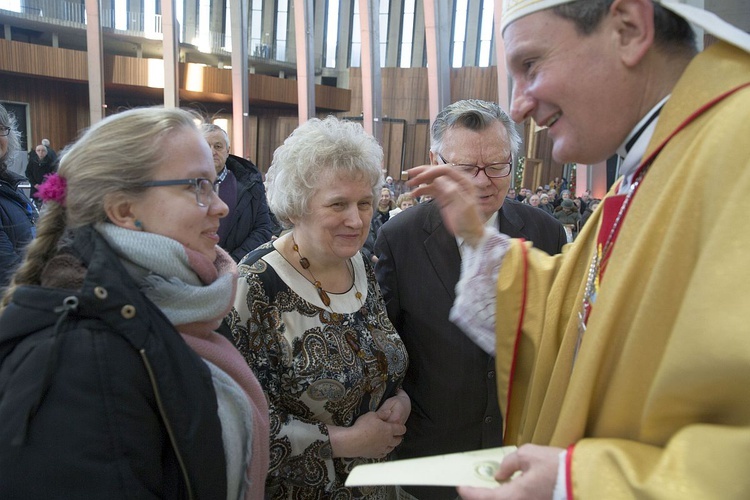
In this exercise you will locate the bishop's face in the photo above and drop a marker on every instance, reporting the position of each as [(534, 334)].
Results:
[(575, 85)]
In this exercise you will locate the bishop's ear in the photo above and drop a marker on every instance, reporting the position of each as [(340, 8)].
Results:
[(633, 21)]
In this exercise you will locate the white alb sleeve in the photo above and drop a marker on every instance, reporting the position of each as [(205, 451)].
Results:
[(473, 310)]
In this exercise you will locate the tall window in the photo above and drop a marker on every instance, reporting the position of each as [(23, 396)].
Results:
[(282, 22), (459, 33), (256, 33), (485, 33), (383, 31), (407, 33), (180, 15), (332, 32), (204, 26), (11, 5), (149, 18), (121, 14), (226, 38), (356, 46)]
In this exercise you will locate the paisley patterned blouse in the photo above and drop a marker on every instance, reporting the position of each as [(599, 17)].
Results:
[(316, 368)]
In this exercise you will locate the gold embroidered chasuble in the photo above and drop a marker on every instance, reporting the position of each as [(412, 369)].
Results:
[(658, 402)]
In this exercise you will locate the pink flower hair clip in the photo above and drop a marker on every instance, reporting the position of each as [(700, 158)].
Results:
[(53, 188)]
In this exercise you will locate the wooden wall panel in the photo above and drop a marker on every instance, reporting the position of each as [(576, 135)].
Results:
[(474, 83), (420, 154), (58, 110), (40, 60), (394, 135)]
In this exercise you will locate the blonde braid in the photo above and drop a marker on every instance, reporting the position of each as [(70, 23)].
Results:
[(49, 231)]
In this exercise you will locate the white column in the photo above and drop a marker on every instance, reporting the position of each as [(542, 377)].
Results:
[(171, 49), (372, 111), (95, 60), (304, 35), (437, 22), (240, 93)]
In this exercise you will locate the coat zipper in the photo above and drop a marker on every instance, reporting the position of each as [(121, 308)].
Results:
[(168, 426)]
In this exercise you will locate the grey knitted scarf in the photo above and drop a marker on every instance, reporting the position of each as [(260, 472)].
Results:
[(166, 274)]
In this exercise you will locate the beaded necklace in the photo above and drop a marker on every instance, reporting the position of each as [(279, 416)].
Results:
[(305, 263)]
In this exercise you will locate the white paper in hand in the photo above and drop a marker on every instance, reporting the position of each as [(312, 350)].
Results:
[(471, 468)]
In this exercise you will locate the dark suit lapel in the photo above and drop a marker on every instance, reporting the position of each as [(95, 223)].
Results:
[(510, 222), (442, 250)]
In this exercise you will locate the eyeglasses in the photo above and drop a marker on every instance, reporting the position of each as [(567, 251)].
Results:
[(493, 170), (204, 188), (4, 131)]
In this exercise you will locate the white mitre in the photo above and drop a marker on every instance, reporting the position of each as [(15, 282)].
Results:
[(515, 9)]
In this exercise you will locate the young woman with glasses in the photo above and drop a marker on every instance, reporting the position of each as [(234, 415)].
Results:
[(112, 381)]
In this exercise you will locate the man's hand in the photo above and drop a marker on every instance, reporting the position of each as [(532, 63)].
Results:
[(538, 474), (455, 194)]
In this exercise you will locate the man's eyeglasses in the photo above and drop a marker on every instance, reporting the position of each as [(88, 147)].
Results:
[(4, 131), (204, 188), (493, 170)]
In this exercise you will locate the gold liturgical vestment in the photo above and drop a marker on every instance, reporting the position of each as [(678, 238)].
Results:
[(657, 404)]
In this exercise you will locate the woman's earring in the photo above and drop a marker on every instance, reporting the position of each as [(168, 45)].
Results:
[(138, 225)]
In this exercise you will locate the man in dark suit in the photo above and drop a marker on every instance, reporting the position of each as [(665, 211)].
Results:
[(450, 380)]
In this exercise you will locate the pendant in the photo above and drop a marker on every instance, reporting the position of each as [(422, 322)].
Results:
[(322, 293)]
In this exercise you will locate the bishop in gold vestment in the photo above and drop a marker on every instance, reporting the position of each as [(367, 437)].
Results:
[(642, 372), (657, 403)]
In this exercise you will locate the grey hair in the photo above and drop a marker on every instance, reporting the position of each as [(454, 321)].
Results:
[(115, 157), (312, 150), (472, 114), (671, 32), (45, 143), (208, 128), (14, 141)]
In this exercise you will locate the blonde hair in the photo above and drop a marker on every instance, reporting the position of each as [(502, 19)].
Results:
[(404, 197), (112, 158)]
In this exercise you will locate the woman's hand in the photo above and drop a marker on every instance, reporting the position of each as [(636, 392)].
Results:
[(369, 437), (396, 409)]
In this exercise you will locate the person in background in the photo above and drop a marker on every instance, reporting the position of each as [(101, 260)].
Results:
[(391, 186), (534, 200), (404, 201), (544, 204), (39, 165), (50, 152), (17, 212), (626, 356), (310, 320), (584, 200), (590, 209), (113, 383), (248, 224), (381, 215), (553, 199), (450, 380), (511, 195)]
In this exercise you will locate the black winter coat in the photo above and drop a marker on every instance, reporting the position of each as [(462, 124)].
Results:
[(36, 169), (100, 397), (18, 216), (249, 221)]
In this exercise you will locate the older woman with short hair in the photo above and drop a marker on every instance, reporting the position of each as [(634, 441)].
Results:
[(311, 322)]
